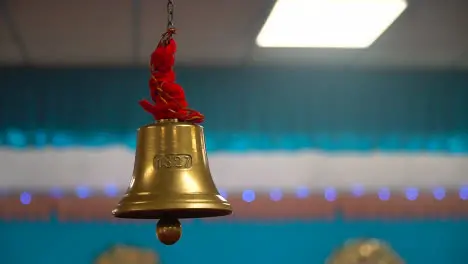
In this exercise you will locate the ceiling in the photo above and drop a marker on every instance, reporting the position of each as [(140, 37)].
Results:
[(430, 33)]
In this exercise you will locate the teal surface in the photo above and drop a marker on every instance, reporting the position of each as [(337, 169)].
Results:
[(419, 242), (246, 108)]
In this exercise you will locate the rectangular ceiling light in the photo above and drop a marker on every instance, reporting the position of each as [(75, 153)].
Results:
[(328, 23)]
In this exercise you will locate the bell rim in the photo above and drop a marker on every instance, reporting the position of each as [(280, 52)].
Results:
[(156, 206), (178, 213)]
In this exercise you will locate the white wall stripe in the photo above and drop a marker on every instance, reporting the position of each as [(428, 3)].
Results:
[(98, 168)]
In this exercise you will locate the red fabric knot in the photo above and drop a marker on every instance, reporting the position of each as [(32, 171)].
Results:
[(169, 101)]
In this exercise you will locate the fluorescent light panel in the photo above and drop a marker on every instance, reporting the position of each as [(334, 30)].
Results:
[(328, 23)]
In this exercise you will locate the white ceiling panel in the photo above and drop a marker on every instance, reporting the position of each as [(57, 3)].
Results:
[(428, 34)]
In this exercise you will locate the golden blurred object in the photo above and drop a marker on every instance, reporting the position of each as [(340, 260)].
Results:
[(126, 254), (365, 251), (168, 230), (171, 177)]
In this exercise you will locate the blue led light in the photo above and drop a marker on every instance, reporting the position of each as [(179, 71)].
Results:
[(25, 198), (62, 140), (40, 138), (82, 192), (384, 194), (248, 196), (276, 195), (223, 193), (439, 193), (330, 194), (16, 138), (358, 190), (111, 190), (302, 192), (463, 193), (412, 194)]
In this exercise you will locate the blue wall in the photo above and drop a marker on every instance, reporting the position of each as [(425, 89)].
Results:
[(246, 108), (419, 242)]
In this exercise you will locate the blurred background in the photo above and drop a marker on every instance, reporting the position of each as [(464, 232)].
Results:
[(313, 146)]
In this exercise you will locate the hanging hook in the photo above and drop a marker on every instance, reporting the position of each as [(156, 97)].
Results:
[(170, 14), (171, 30)]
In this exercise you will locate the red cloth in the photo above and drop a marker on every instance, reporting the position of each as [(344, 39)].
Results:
[(168, 97)]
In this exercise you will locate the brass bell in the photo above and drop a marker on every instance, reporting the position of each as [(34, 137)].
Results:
[(171, 179), (365, 251)]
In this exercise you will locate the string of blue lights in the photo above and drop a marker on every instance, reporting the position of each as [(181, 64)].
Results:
[(330, 194)]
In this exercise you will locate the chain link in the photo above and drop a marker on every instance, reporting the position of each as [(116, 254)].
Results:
[(170, 14)]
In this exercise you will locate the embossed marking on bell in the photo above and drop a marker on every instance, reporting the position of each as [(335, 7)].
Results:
[(173, 161)]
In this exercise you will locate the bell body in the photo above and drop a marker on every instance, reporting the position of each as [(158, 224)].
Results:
[(171, 176)]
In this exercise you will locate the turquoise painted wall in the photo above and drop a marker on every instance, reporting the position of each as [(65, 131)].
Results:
[(245, 108), (419, 242)]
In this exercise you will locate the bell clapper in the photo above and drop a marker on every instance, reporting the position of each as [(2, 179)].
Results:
[(169, 230)]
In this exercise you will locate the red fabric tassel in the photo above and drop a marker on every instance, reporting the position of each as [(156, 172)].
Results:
[(168, 97)]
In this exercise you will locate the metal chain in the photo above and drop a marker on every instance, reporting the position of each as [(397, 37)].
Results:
[(170, 14)]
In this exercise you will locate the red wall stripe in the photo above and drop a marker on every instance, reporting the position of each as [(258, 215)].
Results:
[(289, 207)]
